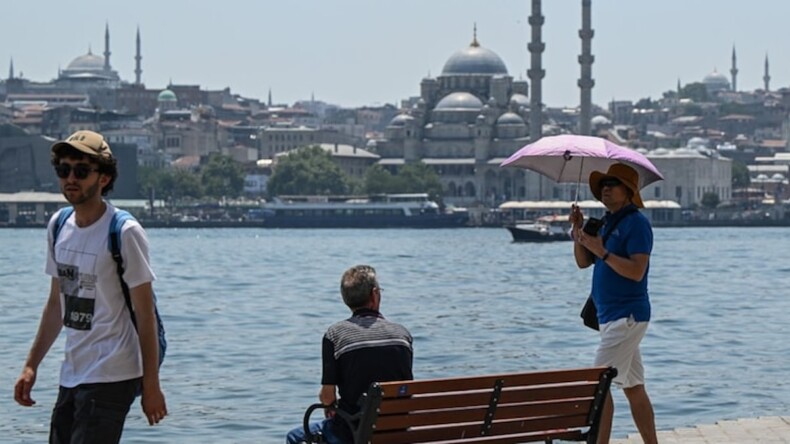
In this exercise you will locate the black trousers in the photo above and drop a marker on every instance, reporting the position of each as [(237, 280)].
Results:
[(92, 413)]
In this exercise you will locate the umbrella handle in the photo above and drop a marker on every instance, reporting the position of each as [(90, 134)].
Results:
[(579, 183)]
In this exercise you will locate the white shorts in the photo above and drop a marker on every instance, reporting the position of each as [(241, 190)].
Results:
[(620, 349)]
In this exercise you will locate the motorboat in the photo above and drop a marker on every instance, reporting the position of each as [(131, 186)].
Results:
[(543, 229)]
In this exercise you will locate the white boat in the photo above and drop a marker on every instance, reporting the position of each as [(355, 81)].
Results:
[(544, 229)]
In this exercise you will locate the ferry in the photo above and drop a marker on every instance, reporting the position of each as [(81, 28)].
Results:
[(414, 210)]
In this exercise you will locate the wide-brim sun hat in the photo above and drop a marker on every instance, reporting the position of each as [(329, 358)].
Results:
[(88, 142), (622, 172)]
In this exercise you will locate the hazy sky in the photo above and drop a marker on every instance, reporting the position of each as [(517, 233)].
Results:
[(366, 52)]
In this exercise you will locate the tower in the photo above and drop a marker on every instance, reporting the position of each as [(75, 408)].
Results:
[(766, 77), (107, 47), (536, 73), (586, 60), (138, 70), (11, 70), (270, 98), (734, 70)]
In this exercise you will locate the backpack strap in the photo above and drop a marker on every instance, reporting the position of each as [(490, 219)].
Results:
[(114, 244), (63, 216)]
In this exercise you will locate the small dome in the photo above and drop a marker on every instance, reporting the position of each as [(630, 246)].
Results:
[(600, 120), (778, 176), (510, 119), (87, 62), (762, 177), (459, 101), (167, 96), (696, 142), (401, 120), (519, 100), (474, 59)]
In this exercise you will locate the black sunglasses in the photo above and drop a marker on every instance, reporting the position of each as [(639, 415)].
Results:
[(81, 170), (610, 182)]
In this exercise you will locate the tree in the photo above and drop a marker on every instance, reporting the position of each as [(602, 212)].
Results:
[(695, 91), (645, 103), (412, 178), (740, 175), (222, 176), (169, 184), (710, 200), (308, 171)]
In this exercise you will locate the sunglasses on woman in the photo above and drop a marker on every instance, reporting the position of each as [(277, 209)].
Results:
[(81, 170), (611, 183)]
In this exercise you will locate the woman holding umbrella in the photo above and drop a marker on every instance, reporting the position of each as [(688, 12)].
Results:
[(620, 253)]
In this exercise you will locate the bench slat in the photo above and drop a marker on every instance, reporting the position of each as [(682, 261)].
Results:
[(526, 411), (510, 432), (482, 397), (399, 389)]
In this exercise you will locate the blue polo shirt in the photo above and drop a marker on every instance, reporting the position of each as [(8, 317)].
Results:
[(616, 296)]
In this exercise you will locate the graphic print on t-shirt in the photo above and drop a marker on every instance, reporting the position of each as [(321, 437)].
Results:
[(78, 288)]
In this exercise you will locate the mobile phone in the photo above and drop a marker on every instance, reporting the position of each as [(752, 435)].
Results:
[(592, 226)]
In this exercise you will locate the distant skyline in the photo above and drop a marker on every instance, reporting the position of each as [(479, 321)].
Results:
[(357, 52)]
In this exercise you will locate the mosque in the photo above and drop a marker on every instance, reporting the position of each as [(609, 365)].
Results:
[(467, 121)]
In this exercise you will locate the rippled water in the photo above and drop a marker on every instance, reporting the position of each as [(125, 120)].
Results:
[(245, 310)]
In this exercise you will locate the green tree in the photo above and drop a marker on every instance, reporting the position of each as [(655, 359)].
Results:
[(695, 91), (169, 183), (222, 176), (740, 175), (645, 103), (710, 200), (378, 180), (411, 178), (308, 171)]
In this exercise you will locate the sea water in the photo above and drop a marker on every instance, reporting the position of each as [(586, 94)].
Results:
[(245, 310)]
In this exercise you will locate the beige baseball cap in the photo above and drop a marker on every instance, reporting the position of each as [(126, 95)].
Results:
[(88, 142)]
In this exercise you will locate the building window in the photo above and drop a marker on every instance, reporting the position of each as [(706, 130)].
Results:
[(679, 193), (657, 194)]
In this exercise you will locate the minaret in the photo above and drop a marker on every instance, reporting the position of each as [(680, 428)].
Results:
[(270, 98), (107, 47), (536, 73), (586, 60), (766, 77), (138, 70), (734, 70), (11, 70)]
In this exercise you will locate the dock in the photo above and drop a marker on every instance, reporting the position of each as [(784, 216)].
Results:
[(763, 430)]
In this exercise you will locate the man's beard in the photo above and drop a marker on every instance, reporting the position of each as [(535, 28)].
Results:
[(83, 197)]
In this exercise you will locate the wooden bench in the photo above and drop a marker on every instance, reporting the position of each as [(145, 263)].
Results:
[(506, 408)]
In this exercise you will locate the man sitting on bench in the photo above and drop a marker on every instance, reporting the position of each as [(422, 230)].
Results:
[(356, 352)]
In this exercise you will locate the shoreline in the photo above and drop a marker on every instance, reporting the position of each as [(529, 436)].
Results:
[(763, 429), (715, 223)]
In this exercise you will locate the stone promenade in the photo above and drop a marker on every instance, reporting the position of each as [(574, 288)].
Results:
[(769, 429)]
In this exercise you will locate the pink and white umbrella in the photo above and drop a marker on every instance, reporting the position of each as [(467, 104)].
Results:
[(571, 158)]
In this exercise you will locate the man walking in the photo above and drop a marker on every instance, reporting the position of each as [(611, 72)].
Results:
[(107, 360)]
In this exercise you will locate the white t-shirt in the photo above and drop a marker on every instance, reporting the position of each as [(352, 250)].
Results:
[(101, 342)]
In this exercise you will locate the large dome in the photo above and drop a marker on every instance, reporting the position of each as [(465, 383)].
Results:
[(87, 62), (459, 101), (474, 60)]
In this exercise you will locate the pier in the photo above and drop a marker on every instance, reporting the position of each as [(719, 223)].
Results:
[(763, 430)]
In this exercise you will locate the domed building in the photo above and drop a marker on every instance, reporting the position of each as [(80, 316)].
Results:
[(90, 70), (465, 123), (715, 82)]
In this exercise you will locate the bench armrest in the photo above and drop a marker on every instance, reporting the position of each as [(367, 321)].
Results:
[(351, 420), (309, 437)]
